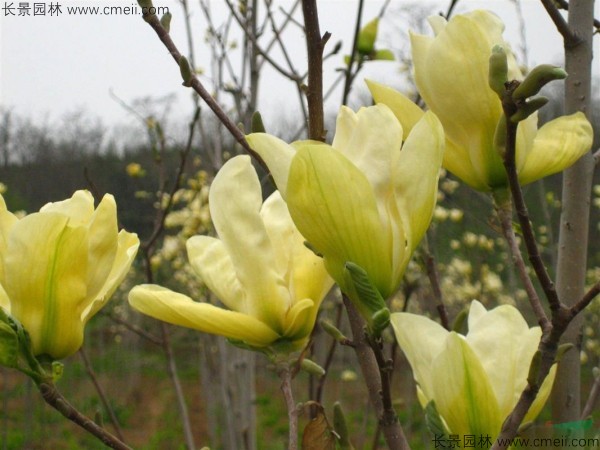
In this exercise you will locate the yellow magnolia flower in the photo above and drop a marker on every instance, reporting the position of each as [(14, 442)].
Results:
[(258, 267), (59, 266), (366, 199), (475, 380), (451, 73)]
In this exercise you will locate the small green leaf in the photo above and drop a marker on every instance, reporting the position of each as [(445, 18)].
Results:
[(9, 345), (367, 36), (384, 55), (341, 427), (369, 301), (433, 420), (257, 125)]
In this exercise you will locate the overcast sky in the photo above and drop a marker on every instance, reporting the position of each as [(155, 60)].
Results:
[(54, 64)]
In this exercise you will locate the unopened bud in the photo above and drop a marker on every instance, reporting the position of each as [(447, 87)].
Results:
[(186, 71), (528, 108), (165, 21), (312, 367), (536, 79), (498, 70)]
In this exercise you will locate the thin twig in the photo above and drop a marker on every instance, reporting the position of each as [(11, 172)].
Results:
[(172, 369), (248, 33), (286, 387), (154, 22), (135, 329), (563, 4), (586, 299), (349, 76), (561, 24), (329, 357), (521, 209), (434, 280), (596, 157), (55, 399), (592, 399), (504, 212), (111, 414)]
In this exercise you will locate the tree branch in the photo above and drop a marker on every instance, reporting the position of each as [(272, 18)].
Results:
[(154, 22), (315, 43), (286, 387), (504, 212), (54, 398), (521, 209), (392, 430), (569, 37)]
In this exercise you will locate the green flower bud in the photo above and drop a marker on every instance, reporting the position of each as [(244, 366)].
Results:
[(498, 70), (165, 21), (257, 125), (312, 367), (186, 71), (537, 79), (528, 108)]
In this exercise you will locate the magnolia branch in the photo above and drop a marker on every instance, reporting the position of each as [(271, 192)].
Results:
[(58, 402), (194, 83), (286, 387), (315, 43), (372, 374), (570, 38), (523, 215), (505, 215)]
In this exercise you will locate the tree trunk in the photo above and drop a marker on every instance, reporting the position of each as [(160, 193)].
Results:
[(574, 221)]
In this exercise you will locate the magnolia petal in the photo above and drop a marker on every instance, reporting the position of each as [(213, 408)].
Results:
[(210, 259), (103, 242), (463, 394), (557, 145), (416, 176), (4, 300), (333, 206), (79, 208), (46, 260), (476, 312), (467, 107), (458, 162), (501, 337), (303, 271), (542, 396), (235, 201), (405, 110), (526, 132), (276, 154), (369, 139), (422, 340), (7, 221), (300, 319), (178, 309), (127, 247)]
